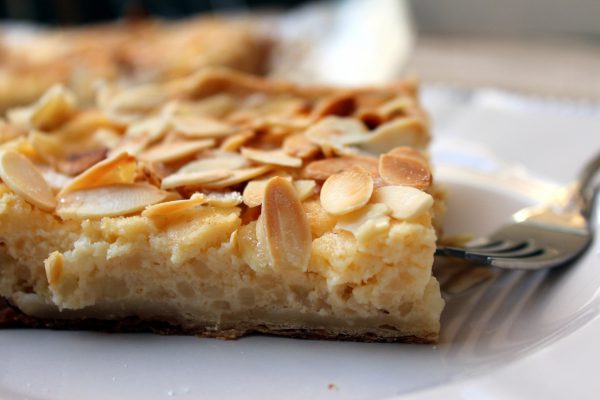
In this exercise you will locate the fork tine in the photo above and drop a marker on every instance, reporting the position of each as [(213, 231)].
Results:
[(498, 246)]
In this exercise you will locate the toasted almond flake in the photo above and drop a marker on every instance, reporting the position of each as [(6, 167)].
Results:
[(323, 169), (299, 146), (173, 151), (118, 169), (286, 229), (239, 176), (396, 107), (272, 157), (305, 188), (201, 127), (55, 180), (23, 178), (193, 179), (398, 132), (108, 201), (168, 208), (85, 123), (131, 145), (139, 99), (404, 171), (151, 129), (254, 191), (346, 191), (405, 151), (223, 200), (48, 147), (337, 132), (338, 104), (76, 163), (405, 202), (234, 142), (352, 222), (216, 161), (55, 107)]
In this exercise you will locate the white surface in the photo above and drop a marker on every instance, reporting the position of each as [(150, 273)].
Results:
[(523, 335)]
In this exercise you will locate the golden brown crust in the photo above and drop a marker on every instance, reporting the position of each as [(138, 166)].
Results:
[(12, 317)]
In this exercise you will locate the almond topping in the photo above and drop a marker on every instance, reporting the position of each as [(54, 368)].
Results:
[(173, 151), (305, 188), (354, 221), (172, 207), (239, 176), (404, 171), (299, 146), (224, 200), (285, 225), (323, 169), (346, 191), (201, 127), (140, 99), (337, 131), (398, 132), (23, 178), (218, 160), (76, 163), (109, 201), (406, 202), (193, 179), (273, 157), (52, 109), (405, 151), (254, 191), (234, 142), (118, 169)]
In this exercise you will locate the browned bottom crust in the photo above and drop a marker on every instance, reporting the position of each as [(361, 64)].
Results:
[(12, 317)]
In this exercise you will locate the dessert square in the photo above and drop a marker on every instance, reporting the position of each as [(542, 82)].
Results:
[(222, 204)]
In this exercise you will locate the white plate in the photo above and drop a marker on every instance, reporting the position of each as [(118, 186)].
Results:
[(521, 335)]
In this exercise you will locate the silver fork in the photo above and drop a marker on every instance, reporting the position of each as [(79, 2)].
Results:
[(543, 236)]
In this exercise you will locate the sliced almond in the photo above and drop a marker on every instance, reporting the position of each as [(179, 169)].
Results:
[(109, 201), (347, 191), (234, 142), (405, 202), (354, 221), (323, 169), (193, 179), (223, 200), (338, 104), (272, 157), (216, 161), (48, 147), (151, 129), (55, 180), (161, 210), (76, 163), (55, 107), (201, 127), (398, 132), (299, 146), (405, 151), (337, 131), (23, 178), (404, 171), (286, 229), (132, 145), (139, 99), (305, 188), (239, 176), (173, 151), (118, 169), (254, 191)]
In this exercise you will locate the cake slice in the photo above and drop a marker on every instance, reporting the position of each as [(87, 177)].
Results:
[(219, 205)]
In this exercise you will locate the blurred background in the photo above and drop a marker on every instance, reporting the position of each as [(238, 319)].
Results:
[(547, 47)]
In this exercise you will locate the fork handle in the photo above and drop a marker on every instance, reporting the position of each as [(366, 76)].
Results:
[(587, 184)]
